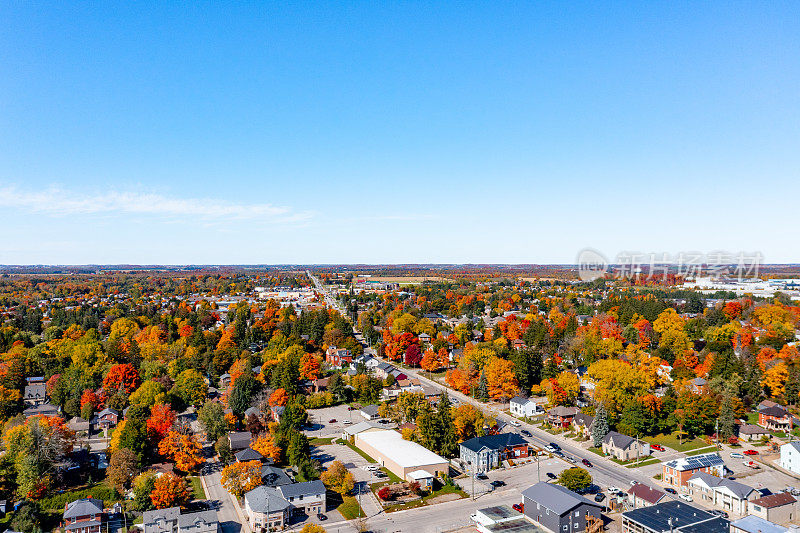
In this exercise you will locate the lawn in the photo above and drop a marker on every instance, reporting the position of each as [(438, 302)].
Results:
[(320, 441), (672, 441), (350, 508), (650, 461), (197, 488), (699, 451), (392, 477)]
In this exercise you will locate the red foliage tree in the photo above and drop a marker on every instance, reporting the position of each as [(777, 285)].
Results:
[(122, 377)]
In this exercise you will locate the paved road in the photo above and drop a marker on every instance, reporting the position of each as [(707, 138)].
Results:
[(229, 519)]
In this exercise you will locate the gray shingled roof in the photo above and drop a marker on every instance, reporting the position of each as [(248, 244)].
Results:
[(555, 497), (170, 513), (739, 489), (302, 489), (190, 519), (262, 499), (83, 507), (248, 454), (618, 440)]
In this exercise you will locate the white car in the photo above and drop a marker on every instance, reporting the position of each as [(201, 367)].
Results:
[(515, 423), (613, 490), (634, 483), (737, 455), (686, 497)]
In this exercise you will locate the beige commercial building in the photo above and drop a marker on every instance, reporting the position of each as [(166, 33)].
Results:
[(400, 456)]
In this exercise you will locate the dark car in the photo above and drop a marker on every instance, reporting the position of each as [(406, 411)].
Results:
[(671, 490), (525, 433), (552, 475), (555, 446), (586, 462), (498, 483), (321, 517), (332, 421), (481, 475), (599, 497)]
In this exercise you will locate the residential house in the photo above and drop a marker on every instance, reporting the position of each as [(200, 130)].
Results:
[(224, 381), (698, 385), (672, 516), (723, 493), (83, 516), (423, 477), (307, 497), (524, 407), (44, 409), (641, 495), (266, 508), (424, 338), (775, 418), (487, 452), (248, 454), (369, 412), (161, 520), (678, 471), (560, 510), (107, 418), (561, 416), (752, 432), (337, 357), (790, 457), (35, 392), (272, 476), (79, 426), (200, 522), (518, 344), (583, 424), (383, 370), (239, 440), (623, 447), (780, 507)]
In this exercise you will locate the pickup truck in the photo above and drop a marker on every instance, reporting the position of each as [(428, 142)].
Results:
[(751, 464)]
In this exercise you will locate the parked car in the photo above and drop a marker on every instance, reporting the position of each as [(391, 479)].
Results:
[(321, 517), (750, 452), (599, 497), (657, 447), (554, 446), (634, 483), (737, 455), (571, 459), (719, 512), (481, 475), (332, 421), (671, 490), (586, 462), (519, 507), (686, 497), (751, 464), (613, 490), (552, 475), (525, 433), (498, 483), (346, 422)]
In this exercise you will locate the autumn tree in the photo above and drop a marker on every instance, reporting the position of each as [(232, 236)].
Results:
[(191, 387), (170, 490), (183, 450), (239, 478), (122, 377), (338, 479), (265, 445), (161, 420), (500, 379), (278, 398), (122, 469)]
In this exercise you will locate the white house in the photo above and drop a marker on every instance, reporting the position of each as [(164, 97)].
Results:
[(524, 407), (790, 457), (722, 493)]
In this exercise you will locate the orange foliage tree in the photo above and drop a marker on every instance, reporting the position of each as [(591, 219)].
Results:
[(122, 377), (238, 478), (265, 445), (184, 450), (500, 378), (309, 367), (279, 397), (170, 490), (160, 422)]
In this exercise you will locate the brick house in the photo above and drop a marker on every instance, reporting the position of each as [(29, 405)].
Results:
[(775, 418), (561, 416), (677, 472), (338, 357), (83, 516)]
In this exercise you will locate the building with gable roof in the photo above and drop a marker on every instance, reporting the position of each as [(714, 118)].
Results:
[(83, 516), (487, 452), (722, 493), (623, 447), (558, 509)]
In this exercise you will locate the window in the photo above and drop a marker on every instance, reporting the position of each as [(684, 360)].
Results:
[(577, 513)]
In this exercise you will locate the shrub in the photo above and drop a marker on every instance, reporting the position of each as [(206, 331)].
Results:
[(385, 493)]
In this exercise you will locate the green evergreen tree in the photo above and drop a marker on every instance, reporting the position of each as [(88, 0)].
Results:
[(482, 394), (600, 428), (448, 441)]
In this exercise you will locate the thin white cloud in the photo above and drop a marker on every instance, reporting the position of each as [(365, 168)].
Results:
[(60, 202)]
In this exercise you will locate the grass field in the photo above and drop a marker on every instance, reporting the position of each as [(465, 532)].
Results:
[(197, 488), (350, 508), (672, 441), (319, 441)]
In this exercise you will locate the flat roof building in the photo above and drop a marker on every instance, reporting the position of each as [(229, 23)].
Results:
[(672, 517), (400, 456)]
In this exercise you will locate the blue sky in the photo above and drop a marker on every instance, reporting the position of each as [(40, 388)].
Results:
[(390, 132)]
